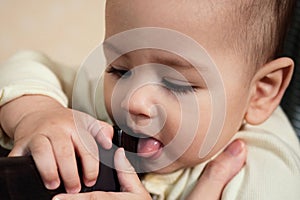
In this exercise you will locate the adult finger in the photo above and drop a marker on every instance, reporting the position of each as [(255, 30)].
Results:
[(128, 179), (96, 195), (219, 172)]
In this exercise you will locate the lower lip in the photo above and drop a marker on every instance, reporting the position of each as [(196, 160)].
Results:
[(152, 156), (156, 155)]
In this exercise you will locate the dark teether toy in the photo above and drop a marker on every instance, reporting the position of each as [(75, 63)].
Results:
[(20, 179)]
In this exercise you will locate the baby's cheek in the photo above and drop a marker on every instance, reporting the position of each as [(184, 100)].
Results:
[(107, 92)]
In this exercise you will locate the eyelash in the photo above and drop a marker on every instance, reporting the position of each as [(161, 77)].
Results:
[(179, 89), (120, 73)]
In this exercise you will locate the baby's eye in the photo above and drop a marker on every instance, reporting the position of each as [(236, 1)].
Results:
[(178, 88), (120, 73)]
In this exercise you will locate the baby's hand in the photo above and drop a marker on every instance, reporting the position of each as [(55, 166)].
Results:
[(54, 135), (131, 186)]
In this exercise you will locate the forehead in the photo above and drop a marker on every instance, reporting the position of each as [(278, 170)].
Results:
[(197, 19), (206, 21)]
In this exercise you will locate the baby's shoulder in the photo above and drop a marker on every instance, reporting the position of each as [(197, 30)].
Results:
[(272, 169), (272, 143)]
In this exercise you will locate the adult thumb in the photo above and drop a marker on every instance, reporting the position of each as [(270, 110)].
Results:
[(128, 179)]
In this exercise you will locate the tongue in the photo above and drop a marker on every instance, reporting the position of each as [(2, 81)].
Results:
[(148, 147)]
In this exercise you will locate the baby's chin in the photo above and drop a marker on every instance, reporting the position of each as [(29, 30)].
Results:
[(165, 170), (173, 167), (187, 160)]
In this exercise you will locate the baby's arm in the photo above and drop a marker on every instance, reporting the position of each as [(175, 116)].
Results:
[(33, 113)]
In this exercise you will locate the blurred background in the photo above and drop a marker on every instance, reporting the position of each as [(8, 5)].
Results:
[(65, 30)]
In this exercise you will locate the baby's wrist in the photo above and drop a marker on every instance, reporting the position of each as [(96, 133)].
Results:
[(12, 113)]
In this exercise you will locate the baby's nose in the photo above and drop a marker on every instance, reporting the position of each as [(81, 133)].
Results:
[(145, 111), (141, 102)]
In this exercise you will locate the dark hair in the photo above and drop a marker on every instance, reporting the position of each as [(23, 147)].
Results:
[(262, 26)]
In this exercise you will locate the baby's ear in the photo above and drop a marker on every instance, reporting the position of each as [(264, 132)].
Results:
[(268, 87)]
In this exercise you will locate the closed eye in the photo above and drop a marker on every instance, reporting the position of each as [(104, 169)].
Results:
[(120, 73), (180, 89)]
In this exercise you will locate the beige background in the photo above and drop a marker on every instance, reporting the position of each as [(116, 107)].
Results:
[(66, 30)]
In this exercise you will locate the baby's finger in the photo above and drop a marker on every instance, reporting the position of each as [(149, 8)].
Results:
[(42, 154), (88, 131), (66, 160), (219, 171), (18, 150), (131, 186), (102, 132), (88, 152)]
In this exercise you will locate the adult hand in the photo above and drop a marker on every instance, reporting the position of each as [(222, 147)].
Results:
[(219, 172)]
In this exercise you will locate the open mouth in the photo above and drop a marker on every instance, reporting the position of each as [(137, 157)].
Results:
[(149, 148)]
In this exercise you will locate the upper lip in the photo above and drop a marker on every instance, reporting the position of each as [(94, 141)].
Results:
[(134, 131)]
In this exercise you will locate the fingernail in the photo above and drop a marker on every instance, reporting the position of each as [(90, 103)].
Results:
[(59, 197), (52, 185), (121, 162), (73, 190), (235, 148), (90, 183), (122, 151)]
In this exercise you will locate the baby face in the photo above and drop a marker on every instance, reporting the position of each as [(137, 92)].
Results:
[(159, 84)]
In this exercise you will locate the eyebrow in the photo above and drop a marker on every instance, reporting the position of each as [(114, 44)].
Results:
[(172, 59)]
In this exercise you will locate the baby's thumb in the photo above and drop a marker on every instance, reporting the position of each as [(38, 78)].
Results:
[(129, 180)]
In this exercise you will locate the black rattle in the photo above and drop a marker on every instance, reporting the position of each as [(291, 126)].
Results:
[(20, 179)]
